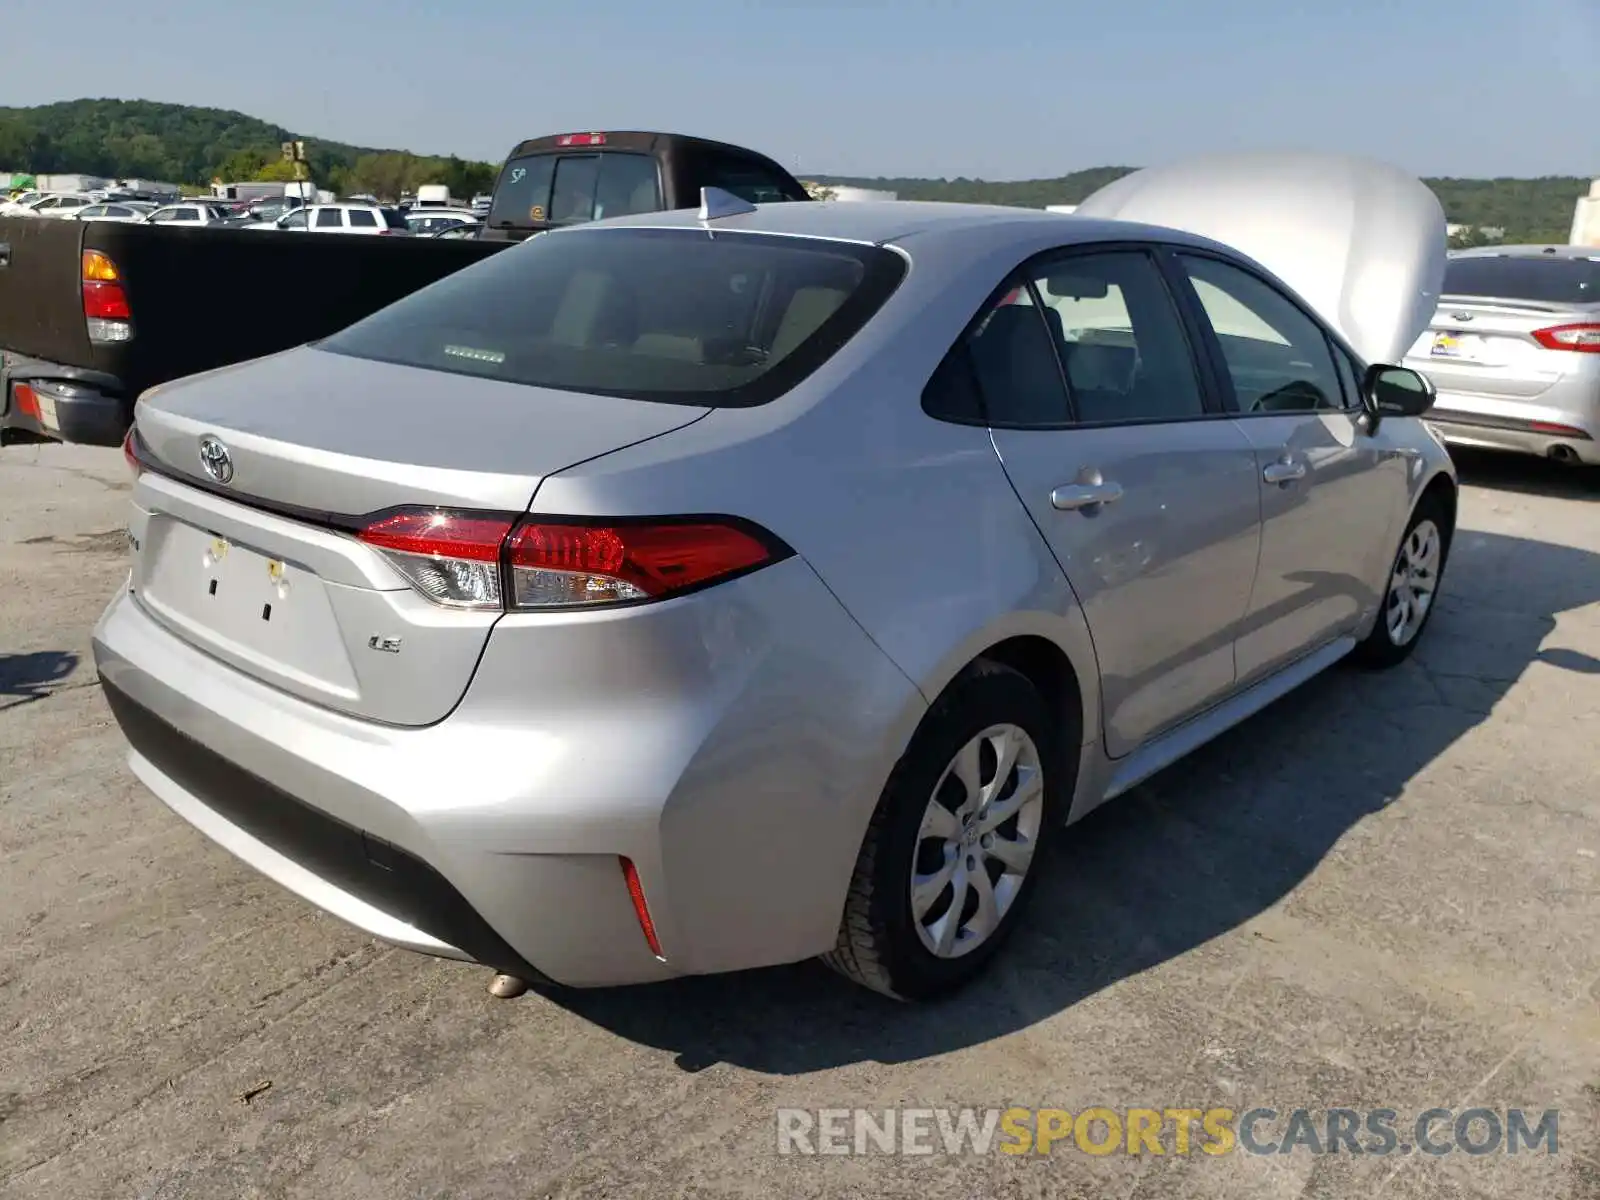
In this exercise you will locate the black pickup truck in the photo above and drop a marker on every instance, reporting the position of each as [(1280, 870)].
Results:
[(94, 313)]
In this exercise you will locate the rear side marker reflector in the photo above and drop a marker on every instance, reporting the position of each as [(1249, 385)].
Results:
[(27, 401), (489, 561), (1583, 338), (1550, 427), (630, 876)]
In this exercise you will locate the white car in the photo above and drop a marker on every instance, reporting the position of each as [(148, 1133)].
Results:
[(192, 213), (18, 205), (340, 218), (126, 212), (59, 206)]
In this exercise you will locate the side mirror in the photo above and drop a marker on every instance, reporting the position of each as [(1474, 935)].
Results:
[(1395, 392)]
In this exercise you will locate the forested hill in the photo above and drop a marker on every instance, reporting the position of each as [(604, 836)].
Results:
[(181, 143), (184, 144), (1531, 210)]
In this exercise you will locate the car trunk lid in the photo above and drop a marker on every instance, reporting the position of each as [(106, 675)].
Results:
[(256, 561), (1479, 346), (1362, 242)]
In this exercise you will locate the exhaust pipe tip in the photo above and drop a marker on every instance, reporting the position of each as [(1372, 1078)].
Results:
[(1562, 453)]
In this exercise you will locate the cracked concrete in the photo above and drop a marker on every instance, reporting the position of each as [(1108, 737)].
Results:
[(1382, 893)]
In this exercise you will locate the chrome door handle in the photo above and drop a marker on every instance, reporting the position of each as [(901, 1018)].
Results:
[(1284, 472), (1076, 496)]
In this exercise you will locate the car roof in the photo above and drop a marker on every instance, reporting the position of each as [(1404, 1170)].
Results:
[(880, 222)]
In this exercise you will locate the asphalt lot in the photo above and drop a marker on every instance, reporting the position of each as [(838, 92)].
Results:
[(1383, 893)]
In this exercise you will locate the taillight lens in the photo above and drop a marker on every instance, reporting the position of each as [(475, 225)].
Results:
[(560, 564), (1584, 338), (105, 303), (130, 453), (487, 561), (451, 558)]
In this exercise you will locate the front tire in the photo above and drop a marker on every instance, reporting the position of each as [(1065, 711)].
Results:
[(953, 850), (1412, 592)]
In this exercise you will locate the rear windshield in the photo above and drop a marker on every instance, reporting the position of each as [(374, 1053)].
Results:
[(1552, 280), (568, 188), (686, 316)]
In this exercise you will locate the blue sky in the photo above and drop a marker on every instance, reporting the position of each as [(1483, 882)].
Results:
[(990, 88)]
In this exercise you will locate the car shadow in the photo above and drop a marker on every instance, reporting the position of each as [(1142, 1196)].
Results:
[(1186, 857), (31, 676), (1524, 473)]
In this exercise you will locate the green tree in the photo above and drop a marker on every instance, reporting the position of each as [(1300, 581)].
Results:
[(281, 171), (243, 164)]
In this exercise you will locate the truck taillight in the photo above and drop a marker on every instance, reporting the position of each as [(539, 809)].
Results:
[(1584, 338), (105, 303), (581, 139), (483, 561)]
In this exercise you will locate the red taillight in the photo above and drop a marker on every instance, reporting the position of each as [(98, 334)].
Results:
[(464, 559), (559, 563), (451, 558), (641, 910), (1583, 338), (27, 400), (581, 139), (130, 454), (1555, 430), (440, 534), (105, 303)]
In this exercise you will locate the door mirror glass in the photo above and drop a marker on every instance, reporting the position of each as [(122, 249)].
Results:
[(1397, 391)]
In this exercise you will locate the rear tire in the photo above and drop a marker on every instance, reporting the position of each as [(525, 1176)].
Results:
[(936, 841), (1412, 590)]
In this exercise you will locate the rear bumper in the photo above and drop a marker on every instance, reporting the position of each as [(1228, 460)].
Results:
[(70, 404), (737, 773), (1522, 426)]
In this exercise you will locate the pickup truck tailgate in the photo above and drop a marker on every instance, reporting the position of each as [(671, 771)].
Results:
[(41, 290)]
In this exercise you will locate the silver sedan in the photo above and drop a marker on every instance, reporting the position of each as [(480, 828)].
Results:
[(699, 591)]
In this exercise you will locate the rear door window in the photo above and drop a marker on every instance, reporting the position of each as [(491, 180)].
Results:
[(572, 197), (190, 215), (1548, 280), (360, 218), (329, 218), (676, 315), (523, 194)]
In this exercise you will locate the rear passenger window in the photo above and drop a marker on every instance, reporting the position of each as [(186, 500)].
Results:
[(1002, 371), (1119, 337), (186, 214), (361, 219), (572, 198), (328, 218)]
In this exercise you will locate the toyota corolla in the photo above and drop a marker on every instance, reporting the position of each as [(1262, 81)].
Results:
[(700, 591)]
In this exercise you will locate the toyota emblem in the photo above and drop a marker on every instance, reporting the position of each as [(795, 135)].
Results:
[(214, 457)]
